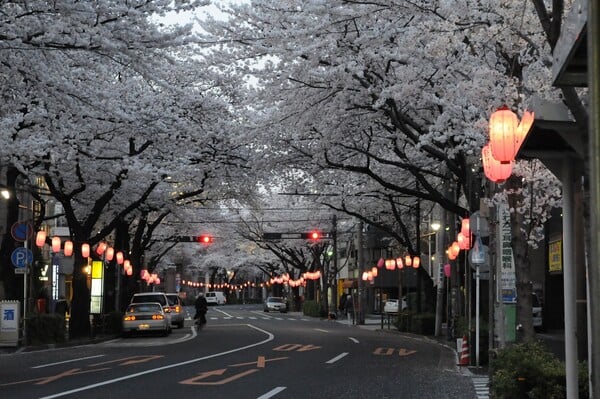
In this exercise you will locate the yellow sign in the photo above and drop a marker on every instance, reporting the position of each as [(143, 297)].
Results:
[(555, 263), (97, 266)]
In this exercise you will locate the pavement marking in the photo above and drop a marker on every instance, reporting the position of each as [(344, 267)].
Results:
[(482, 389), (320, 329), (66, 361), (338, 357), (271, 393), (353, 340), (270, 337)]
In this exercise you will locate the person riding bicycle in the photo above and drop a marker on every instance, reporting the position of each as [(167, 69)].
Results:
[(201, 308)]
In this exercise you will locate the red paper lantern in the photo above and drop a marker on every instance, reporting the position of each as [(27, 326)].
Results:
[(493, 169), (68, 248), (374, 271), (399, 263), (56, 244), (120, 258), (447, 270), (390, 264), (40, 238), (416, 262), (507, 134), (450, 253), (455, 248), (110, 253), (407, 261), (380, 262), (101, 248), (85, 250), (465, 226), (463, 241)]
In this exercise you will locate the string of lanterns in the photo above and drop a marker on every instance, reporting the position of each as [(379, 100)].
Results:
[(391, 264), (507, 135), (283, 279), (102, 249)]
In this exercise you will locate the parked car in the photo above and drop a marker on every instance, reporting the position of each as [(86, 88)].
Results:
[(176, 308), (391, 305), (159, 297), (536, 307), (215, 298), (276, 304), (145, 317)]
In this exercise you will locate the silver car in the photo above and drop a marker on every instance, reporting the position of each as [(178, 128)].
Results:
[(145, 317), (177, 311), (276, 304)]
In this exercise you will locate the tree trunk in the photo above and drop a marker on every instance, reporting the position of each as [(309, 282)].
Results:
[(79, 324), (520, 251)]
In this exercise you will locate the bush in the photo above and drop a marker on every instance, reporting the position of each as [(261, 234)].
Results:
[(45, 328), (529, 370), (313, 309), (417, 323)]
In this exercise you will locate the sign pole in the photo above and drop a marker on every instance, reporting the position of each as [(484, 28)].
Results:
[(25, 304)]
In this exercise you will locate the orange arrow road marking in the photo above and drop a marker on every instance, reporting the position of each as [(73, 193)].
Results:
[(197, 380), (405, 352), (260, 362), (130, 360)]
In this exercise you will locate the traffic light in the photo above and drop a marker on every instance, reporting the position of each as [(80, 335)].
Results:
[(313, 235), (205, 239)]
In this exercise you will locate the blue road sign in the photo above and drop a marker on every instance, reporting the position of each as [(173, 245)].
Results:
[(21, 257), (21, 231)]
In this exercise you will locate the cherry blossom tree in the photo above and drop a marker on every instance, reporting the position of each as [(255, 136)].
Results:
[(100, 102), (396, 92)]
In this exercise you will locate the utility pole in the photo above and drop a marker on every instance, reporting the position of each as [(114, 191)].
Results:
[(439, 256), (359, 305), (334, 298), (593, 72)]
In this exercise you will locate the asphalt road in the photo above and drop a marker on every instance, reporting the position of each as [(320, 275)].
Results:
[(242, 353)]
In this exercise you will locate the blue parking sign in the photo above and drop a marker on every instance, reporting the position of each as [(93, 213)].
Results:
[(21, 257)]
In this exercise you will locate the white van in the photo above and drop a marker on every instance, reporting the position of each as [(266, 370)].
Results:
[(215, 298)]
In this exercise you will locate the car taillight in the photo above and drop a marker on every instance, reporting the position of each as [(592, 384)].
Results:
[(157, 317), (177, 309), (129, 318)]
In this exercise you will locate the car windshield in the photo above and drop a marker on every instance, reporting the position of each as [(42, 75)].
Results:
[(275, 299), (144, 307), (149, 298), (173, 300)]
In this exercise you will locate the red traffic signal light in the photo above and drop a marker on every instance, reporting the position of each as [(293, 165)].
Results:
[(205, 239), (313, 235)]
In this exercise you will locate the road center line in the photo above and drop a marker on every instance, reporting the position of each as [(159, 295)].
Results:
[(338, 357), (270, 337), (65, 361), (271, 393)]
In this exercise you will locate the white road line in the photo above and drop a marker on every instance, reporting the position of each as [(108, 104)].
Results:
[(338, 357), (320, 329), (353, 340), (270, 337), (271, 393), (66, 361)]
